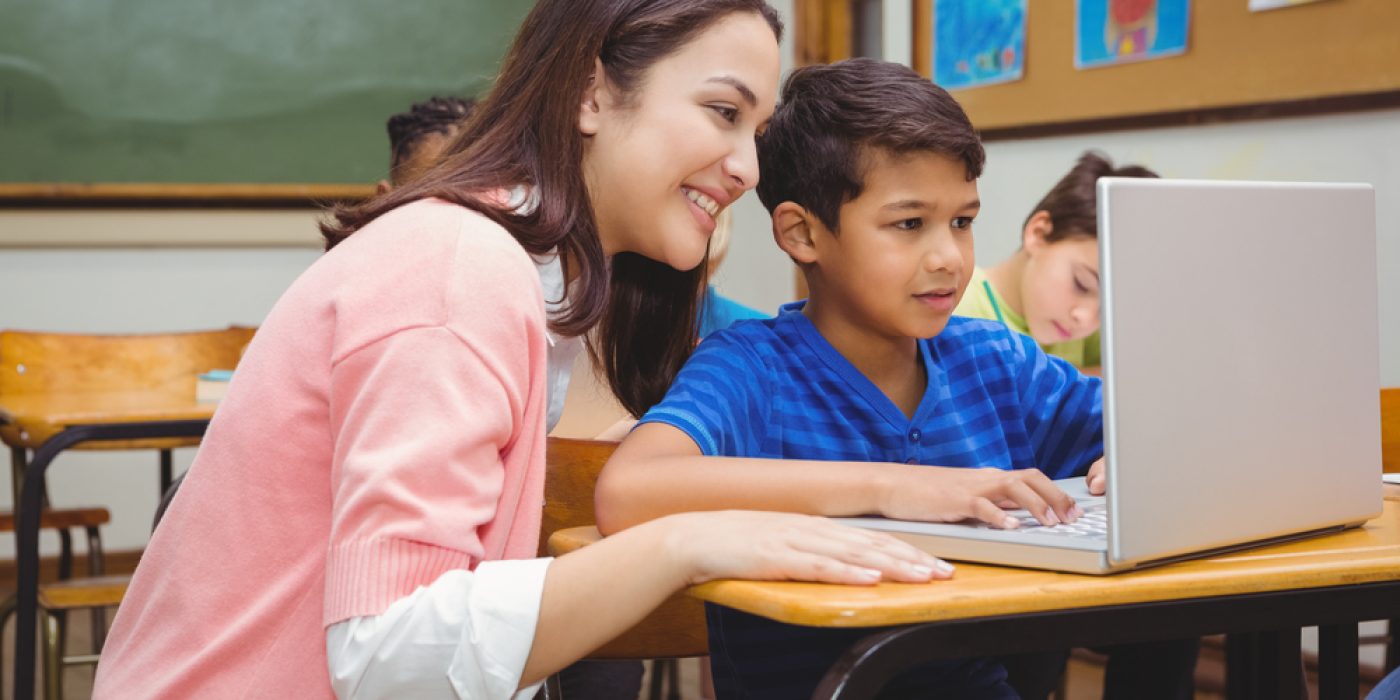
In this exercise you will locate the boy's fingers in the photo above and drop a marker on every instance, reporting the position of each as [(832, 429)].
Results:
[(989, 513), (1097, 484), (1060, 501), (1028, 498)]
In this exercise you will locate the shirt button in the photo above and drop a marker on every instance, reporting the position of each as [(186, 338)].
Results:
[(914, 435)]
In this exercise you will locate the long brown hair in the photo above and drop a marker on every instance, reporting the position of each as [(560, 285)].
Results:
[(526, 132)]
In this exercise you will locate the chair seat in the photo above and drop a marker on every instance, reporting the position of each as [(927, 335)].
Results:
[(94, 592), (61, 518)]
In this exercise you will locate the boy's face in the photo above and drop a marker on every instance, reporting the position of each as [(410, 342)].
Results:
[(903, 255)]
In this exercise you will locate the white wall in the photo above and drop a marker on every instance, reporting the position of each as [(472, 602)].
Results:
[(1361, 147), (138, 289)]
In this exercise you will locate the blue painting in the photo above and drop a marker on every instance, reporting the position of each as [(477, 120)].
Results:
[(1121, 31), (978, 42)]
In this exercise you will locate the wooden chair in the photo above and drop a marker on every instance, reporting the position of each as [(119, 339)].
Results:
[(48, 363), (676, 630), (95, 593), (62, 363)]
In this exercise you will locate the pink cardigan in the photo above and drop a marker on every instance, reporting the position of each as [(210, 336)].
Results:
[(386, 425)]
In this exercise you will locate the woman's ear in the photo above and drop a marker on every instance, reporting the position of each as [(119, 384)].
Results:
[(793, 231), (1038, 228), (589, 108)]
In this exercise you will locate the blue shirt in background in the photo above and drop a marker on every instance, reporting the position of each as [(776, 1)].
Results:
[(776, 388), (719, 312)]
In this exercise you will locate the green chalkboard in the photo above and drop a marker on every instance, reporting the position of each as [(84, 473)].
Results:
[(225, 91)]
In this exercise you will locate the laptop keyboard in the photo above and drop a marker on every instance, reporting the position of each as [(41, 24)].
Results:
[(1094, 523)]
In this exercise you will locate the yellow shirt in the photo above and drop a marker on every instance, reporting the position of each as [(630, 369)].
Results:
[(982, 301)]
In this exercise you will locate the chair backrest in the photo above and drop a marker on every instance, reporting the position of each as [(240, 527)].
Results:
[(1390, 429), (33, 363), (674, 630), (571, 471)]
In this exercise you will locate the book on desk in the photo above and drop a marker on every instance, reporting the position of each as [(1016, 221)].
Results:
[(212, 386)]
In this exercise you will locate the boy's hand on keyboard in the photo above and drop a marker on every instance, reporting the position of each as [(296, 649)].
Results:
[(1097, 479), (942, 494)]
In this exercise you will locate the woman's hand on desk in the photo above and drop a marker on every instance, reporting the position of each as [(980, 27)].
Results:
[(944, 494), (786, 546)]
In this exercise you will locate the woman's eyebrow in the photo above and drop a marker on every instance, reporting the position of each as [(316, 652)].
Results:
[(739, 85)]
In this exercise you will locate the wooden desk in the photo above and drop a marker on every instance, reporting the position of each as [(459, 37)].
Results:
[(1261, 596), (51, 423)]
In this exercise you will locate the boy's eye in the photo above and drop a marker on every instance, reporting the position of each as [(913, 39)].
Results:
[(913, 224), (963, 222), (726, 113)]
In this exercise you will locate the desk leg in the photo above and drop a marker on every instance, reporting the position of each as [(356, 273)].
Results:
[(1337, 674), (28, 505), (1263, 665)]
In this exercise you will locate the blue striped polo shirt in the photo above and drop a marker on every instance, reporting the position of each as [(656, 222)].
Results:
[(776, 388)]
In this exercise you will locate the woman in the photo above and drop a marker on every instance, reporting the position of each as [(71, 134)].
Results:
[(360, 516)]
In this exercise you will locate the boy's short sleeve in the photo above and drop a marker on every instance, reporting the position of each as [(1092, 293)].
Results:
[(721, 397), (1062, 409)]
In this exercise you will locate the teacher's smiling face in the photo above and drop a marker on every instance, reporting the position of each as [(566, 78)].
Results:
[(663, 162)]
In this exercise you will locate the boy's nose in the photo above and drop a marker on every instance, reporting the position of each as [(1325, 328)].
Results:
[(942, 254)]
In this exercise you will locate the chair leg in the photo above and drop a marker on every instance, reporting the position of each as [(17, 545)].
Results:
[(673, 679), (1392, 645), (53, 657), (97, 566), (654, 687), (167, 470), (553, 689), (7, 609)]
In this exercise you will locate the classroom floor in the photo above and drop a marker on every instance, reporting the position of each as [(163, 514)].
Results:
[(1084, 675)]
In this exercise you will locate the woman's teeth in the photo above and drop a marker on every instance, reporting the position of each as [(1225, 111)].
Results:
[(703, 201)]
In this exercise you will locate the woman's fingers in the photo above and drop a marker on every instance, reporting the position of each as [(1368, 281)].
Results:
[(895, 559)]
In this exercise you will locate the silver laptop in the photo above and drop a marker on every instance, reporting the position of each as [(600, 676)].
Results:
[(1241, 370)]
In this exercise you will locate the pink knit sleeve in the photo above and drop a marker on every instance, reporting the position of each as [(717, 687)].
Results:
[(425, 421)]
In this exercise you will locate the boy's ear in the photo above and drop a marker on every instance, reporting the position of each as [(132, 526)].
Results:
[(792, 231), (1038, 228), (589, 110), (382, 186)]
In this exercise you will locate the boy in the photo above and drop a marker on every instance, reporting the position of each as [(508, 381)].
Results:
[(419, 136), (843, 404)]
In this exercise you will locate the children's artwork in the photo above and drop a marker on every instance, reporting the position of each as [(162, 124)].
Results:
[(1261, 5), (1119, 31), (978, 42)]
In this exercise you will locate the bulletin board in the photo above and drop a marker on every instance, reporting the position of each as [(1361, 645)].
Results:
[(1336, 55)]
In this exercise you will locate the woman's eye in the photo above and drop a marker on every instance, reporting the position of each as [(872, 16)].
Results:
[(962, 222), (728, 114), (909, 224)]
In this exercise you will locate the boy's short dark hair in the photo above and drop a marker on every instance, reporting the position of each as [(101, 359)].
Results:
[(815, 150), (437, 115), (1073, 202)]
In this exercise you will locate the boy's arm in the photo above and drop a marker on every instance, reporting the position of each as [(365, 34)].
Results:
[(660, 470), (1062, 409)]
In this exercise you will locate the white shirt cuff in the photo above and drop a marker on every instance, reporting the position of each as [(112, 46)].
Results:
[(466, 635)]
